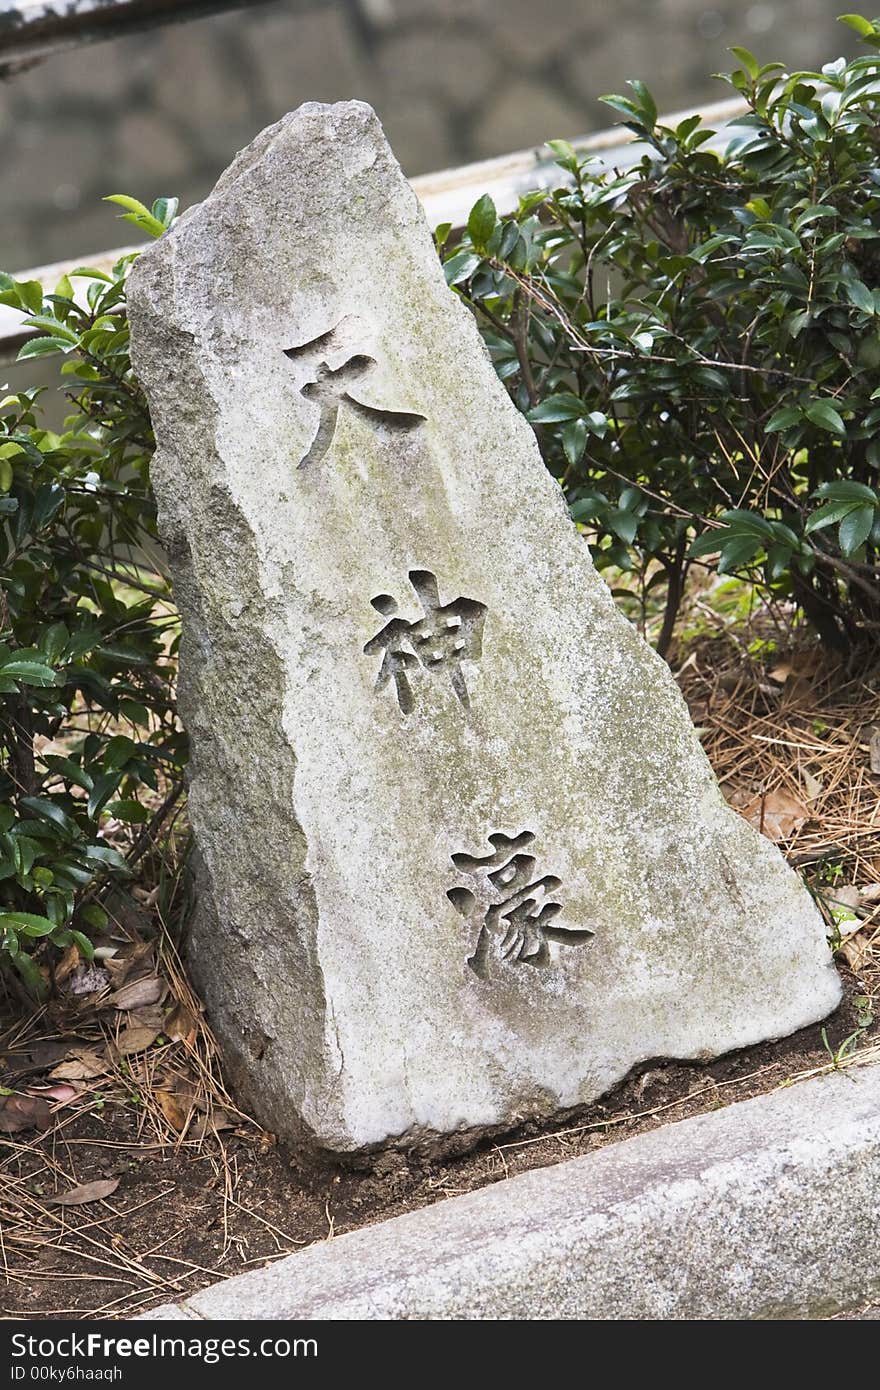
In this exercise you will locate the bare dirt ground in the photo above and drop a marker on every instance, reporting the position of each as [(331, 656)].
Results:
[(128, 1176)]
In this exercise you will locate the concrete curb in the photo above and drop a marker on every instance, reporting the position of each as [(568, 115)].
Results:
[(769, 1208)]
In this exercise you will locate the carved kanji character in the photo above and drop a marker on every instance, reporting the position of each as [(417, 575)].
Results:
[(512, 909), (330, 388), (443, 638)]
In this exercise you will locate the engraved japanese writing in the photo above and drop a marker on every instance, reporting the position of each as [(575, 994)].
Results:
[(330, 388), (446, 635), (512, 910)]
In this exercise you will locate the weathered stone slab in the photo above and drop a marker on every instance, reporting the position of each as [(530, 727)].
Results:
[(463, 858), (729, 1215)]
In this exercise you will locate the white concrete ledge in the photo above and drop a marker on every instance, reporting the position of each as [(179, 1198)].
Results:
[(447, 196), (769, 1208)]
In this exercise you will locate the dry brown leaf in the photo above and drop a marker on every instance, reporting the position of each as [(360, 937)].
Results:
[(847, 895), (870, 892), (812, 785), (151, 1016), (59, 1092), (136, 1038), (855, 950), (67, 964), (172, 1110), (179, 1023), (127, 957), (780, 673), (210, 1124), (147, 990), (84, 1065), (24, 1112), (85, 1192), (38, 1056), (149, 897), (776, 814)]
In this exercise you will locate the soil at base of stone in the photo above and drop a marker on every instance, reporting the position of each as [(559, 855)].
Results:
[(184, 1216)]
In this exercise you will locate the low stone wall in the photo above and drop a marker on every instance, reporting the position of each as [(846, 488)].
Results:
[(452, 81), (735, 1214)]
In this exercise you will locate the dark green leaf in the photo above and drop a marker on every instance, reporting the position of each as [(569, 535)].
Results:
[(482, 220), (27, 923), (855, 529), (556, 409), (784, 419), (823, 414), (461, 267), (104, 787), (41, 347), (53, 814), (28, 672)]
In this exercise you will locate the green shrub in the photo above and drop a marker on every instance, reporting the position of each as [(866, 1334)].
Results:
[(88, 737), (697, 340)]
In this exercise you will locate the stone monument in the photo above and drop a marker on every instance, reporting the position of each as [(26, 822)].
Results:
[(462, 860)]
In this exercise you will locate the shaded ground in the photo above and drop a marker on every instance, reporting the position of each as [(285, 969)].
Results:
[(188, 1213), (116, 1098)]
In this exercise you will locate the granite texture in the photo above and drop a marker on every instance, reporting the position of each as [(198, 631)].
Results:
[(462, 859)]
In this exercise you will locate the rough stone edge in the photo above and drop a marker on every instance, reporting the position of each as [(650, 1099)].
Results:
[(169, 1312), (733, 1214)]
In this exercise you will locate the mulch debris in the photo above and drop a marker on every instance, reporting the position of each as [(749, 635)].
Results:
[(128, 1177)]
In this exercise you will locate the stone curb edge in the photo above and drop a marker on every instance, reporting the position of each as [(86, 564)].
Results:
[(768, 1208)]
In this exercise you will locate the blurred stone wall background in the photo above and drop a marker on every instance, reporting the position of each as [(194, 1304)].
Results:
[(453, 81)]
